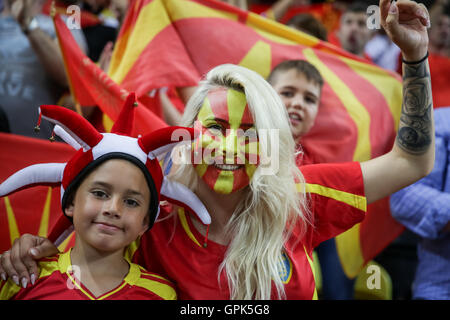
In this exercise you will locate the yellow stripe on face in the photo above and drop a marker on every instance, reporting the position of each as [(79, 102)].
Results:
[(205, 112), (357, 112), (236, 107), (224, 183), (201, 169), (250, 170)]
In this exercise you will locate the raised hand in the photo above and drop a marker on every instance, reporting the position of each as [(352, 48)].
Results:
[(406, 24)]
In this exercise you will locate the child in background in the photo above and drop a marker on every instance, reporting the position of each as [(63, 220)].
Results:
[(299, 85)]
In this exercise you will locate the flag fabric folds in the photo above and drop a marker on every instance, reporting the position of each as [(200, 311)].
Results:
[(90, 86), (146, 43), (175, 42), (34, 210)]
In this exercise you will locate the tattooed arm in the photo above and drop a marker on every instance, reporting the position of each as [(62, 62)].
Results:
[(412, 156)]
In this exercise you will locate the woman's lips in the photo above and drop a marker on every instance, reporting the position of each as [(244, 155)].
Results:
[(228, 167)]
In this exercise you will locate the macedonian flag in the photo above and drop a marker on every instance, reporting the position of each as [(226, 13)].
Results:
[(90, 86), (34, 210), (175, 42)]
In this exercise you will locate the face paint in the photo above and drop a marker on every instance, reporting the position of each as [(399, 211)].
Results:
[(226, 153)]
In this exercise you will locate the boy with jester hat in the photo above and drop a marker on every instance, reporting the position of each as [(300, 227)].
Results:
[(110, 190)]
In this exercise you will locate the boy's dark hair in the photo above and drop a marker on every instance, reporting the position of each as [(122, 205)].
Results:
[(309, 24), (301, 66)]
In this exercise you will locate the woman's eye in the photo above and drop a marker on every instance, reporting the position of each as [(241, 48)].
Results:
[(215, 127), (251, 134)]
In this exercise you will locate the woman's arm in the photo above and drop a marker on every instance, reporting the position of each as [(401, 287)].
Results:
[(19, 262), (412, 156)]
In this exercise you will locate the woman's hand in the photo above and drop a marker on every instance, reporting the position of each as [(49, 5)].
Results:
[(19, 262), (406, 24)]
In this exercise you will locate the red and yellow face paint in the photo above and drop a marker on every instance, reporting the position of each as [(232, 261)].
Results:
[(226, 152)]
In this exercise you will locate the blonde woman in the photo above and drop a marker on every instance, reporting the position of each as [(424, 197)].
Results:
[(266, 215)]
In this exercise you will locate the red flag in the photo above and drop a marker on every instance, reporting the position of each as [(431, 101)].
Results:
[(359, 111), (146, 42)]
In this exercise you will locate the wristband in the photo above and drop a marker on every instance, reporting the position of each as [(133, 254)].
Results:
[(415, 62)]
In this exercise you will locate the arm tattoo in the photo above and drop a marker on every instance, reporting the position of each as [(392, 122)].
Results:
[(415, 130)]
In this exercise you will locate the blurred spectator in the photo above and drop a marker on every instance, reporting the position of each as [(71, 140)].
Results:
[(439, 47), (31, 66), (98, 36), (424, 208), (307, 23), (353, 33), (439, 57)]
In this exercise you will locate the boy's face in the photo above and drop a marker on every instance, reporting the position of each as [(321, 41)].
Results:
[(301, 99), (110, 207), (228, 145)]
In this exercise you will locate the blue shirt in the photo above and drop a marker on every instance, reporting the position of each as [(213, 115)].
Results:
[(424, 208)]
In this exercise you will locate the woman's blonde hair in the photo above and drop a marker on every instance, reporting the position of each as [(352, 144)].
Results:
[(262, 223)]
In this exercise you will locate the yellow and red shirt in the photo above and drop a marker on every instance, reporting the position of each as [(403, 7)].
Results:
[(336, 200), (56, 282)]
